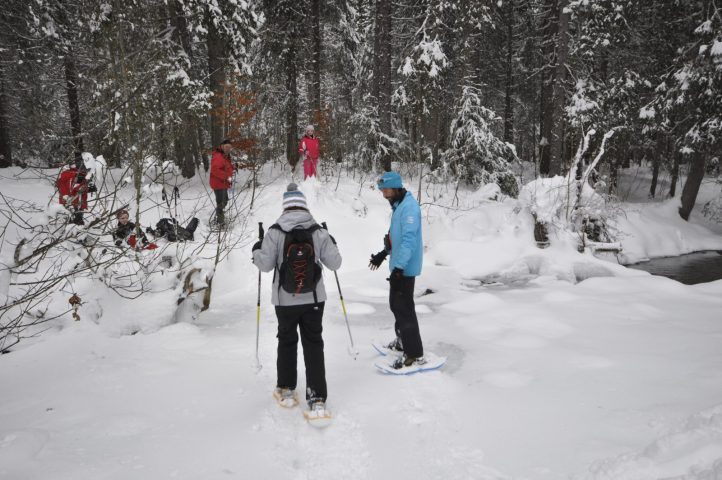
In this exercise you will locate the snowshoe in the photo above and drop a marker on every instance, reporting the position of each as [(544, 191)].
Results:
[(403, 365), (285, 397), (317, 415)]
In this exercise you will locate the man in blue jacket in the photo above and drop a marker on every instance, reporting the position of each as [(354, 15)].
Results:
[(405, 245)]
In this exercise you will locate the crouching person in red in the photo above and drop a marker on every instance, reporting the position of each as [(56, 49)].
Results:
[(73, 191)]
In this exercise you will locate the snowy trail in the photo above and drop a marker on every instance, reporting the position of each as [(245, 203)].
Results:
[(527, 376)]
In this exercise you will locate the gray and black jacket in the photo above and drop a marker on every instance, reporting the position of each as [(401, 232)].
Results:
[(270, 256)]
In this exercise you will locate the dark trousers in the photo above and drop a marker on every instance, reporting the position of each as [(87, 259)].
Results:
[(401, 300), (192, 225), (221, 201), (307, 319), (77, 217)]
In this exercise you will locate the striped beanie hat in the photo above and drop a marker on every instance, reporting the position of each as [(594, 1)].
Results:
[(293, 197)]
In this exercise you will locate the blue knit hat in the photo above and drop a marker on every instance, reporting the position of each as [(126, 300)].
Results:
[(293, 197), (390, 180)]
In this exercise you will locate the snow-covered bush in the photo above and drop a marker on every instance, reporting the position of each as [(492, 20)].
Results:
[(476, 154), (164, 173), (552, 201), (570, 204), (713, 209)]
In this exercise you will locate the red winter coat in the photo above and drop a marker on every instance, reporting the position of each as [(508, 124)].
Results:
[(73, 188), (221, 170), (308, 146)]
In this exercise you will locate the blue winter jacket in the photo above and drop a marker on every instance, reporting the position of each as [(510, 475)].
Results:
[(407, 246)]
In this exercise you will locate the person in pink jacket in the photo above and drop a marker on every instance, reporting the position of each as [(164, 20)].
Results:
[(308, 149)]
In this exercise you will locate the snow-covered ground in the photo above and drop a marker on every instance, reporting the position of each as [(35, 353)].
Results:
[(564, 366)]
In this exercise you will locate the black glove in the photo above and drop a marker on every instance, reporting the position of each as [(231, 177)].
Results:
[(257, 245), (118, 242), (151, 231), (396, 275), (387, 242), (377, 259), (92, 188)]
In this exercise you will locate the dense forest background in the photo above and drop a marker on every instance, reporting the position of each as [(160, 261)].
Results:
[(467, 87)]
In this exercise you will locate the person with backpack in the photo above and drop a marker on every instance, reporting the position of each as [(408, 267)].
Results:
[(295, 247), (404, 243), (308, 149)]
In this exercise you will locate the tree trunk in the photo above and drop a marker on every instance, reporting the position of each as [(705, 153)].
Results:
[(71, 81), (204, 155), (508, 110), (217, 77), (185, 134), (376, 84), (6, 154), (546, 96), (691, 186), (291, 104), (659, 148), (675, 172), (613, 176), (185, 143), (316, 59), (383, 53), (559, 96)]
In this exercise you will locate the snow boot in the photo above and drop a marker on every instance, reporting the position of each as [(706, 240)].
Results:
[(317, 414), (404, 361)]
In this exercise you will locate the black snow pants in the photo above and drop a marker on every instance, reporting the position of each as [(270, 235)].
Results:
[(221, 202), (401, 300), (307, 319)]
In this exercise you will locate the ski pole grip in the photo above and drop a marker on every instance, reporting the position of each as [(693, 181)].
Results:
[(260, 230)]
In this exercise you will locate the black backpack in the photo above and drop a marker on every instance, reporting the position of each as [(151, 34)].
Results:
[(169, 228), (299, 271)]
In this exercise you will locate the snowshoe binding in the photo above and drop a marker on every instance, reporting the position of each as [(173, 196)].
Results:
[(317, 415)]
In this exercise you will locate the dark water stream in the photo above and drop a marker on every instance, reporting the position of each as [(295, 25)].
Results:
[(690, 269)]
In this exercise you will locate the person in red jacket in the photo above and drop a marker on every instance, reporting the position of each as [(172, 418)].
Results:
[(221, 177), (308, 149), (73, 192)]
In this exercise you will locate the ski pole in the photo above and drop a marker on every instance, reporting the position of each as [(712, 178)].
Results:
[(258, 302), (352, 350)]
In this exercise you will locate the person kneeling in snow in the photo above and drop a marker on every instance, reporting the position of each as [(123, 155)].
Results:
[(126, 232), (299, 295)]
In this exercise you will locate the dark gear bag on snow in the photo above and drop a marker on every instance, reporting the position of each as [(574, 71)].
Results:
[(169, 228), (299, 271)]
